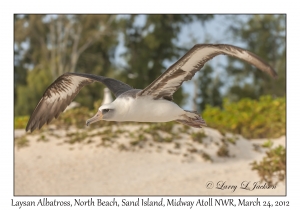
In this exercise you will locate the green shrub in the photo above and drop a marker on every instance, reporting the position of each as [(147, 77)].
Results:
[(21, 142), (198, 137), (76, 137), (223, 151), (273, 166), (166, 127), (21, 122), (263, 118)]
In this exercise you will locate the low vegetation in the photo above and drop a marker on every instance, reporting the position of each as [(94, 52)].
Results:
[(20, 122), (272, 169), (198, 137), (223, 150), (21, 142), (263, 118)]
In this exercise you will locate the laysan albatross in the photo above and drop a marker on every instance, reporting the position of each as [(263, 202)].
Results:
[(152, 104)]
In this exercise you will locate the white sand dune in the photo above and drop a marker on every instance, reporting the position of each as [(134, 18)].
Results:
[(58, 168)]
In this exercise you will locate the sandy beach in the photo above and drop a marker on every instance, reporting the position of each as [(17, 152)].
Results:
[(50, 164)]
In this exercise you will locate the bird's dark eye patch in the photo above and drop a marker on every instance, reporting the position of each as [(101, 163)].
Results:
[(105, 110)]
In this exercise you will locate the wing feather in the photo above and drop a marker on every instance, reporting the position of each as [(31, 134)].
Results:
[(62, 92), (186, 67)]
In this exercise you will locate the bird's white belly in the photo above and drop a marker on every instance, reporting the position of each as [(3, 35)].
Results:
[(145, 109)]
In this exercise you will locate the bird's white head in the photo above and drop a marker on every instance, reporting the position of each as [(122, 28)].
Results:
[(105, 112)]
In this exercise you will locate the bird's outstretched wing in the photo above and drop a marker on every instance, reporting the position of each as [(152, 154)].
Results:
[(62, 92), (186, 67)]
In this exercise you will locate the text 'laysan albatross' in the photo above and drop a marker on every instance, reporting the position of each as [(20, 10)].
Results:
[(152, 104)]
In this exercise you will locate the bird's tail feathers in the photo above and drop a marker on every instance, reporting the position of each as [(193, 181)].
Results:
[(191, 118)]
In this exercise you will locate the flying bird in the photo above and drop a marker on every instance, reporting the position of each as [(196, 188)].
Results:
[(152, 104)]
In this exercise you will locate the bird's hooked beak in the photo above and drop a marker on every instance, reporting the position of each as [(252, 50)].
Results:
[(96, 118)]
